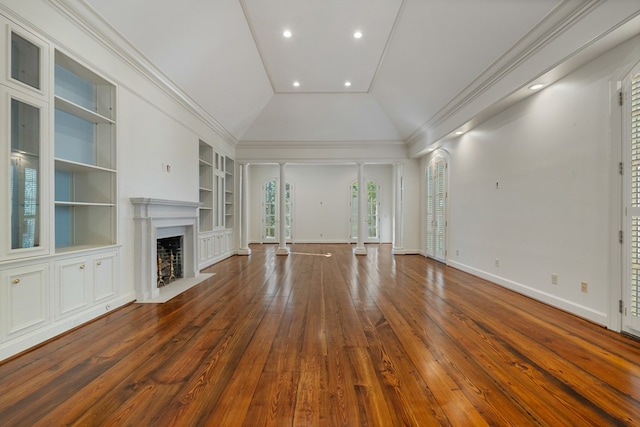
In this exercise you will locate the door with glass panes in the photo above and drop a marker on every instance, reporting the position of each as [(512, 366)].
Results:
[(372, 218), (271, 211), (436, 202)]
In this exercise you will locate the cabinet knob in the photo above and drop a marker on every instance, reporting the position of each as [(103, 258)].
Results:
[(82, 267), (99, 263), (16, 281)]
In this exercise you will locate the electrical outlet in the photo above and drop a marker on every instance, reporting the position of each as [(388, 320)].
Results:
[(497, 262), (457, 252), (584, 287), (554, 279)]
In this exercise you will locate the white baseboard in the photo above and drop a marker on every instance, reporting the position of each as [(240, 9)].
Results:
[(545, 297)]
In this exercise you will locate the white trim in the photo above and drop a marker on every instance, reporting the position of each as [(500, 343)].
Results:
[(553, 26), (552, 300), (616, 200)]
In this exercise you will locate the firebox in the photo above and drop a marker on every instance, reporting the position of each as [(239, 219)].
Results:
[(169, 262)]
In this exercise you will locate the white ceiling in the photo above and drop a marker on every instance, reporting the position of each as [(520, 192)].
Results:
[(415, 58)]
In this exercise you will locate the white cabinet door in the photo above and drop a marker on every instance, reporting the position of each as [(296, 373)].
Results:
[(24, 299), (204, 245), (230, 242), (104, 276), (72, 285)]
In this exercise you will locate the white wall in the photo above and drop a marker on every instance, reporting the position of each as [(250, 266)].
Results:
[(551, 156)]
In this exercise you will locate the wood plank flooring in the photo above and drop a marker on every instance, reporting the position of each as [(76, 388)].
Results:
[(316, 340)]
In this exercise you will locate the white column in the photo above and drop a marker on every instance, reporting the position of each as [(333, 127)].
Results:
[(282, 247), (398, 241), (244, 210), (362, 207)]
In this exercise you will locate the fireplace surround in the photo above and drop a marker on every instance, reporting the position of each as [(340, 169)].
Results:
[(160, 218)]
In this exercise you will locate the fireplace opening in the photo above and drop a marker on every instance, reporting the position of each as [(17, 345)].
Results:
[(169, 260)]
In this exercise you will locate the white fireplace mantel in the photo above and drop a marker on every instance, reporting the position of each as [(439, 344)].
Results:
[(151, 218)]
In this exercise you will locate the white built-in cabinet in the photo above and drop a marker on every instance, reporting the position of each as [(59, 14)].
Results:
[(24, 300), (83, 281), (217, 206), (59, 258)]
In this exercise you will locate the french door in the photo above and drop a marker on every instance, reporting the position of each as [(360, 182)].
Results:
[(436, 203), (372, 192), (271, 212)]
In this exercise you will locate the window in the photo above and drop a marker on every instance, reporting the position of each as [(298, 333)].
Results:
[(436, 195), (271, 211), (371, 213)]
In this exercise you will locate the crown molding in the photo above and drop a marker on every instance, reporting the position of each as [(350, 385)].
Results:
[(84, 16), (346, 144), (557, 22)]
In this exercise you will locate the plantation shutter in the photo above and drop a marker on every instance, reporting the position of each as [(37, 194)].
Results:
[(430, 210), (436, 195), (439, 207), (634, 301)]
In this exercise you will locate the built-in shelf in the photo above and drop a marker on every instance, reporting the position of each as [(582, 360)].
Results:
[(64, 203), (85, 167), (80, 111), (70, 166)]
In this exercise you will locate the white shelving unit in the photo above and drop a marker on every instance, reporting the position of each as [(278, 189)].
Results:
[(229, 186), (59, 259), (206, 212), (217, 206), (85, 157)]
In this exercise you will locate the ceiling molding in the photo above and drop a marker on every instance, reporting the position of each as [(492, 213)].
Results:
[(321, 151), (84, 16), (561, 19), (386, 45), (257, 44), (315, 145)]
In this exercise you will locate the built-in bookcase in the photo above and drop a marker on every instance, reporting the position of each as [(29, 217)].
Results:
[(59, 259), (229, 184), (85, 157), (206, 187), (216, 222)]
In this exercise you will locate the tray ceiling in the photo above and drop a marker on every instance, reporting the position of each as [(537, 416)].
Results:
[(414, 60)]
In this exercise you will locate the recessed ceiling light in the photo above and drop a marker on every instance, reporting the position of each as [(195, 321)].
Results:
[(537, 86), (347, 83), (357, 34), (296, 83), (286, 33)]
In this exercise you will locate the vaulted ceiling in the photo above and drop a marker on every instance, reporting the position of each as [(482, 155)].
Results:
[(416, 63)]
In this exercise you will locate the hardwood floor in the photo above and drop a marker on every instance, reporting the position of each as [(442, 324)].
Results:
[(312, 340)]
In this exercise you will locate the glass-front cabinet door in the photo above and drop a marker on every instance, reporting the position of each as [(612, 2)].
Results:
[(26, 119), (27, 57), (24, 175), (25, 61)]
